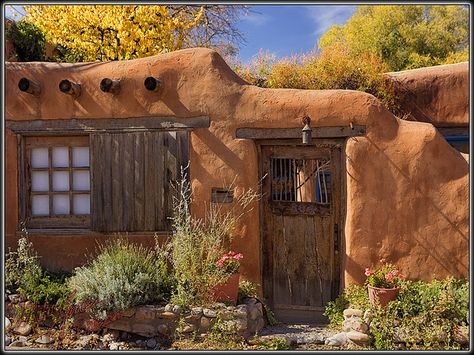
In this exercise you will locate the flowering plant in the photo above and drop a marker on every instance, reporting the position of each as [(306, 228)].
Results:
[(230, 262), (385, 276)]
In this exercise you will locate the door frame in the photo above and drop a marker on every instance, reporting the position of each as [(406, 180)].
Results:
[(338, 143)]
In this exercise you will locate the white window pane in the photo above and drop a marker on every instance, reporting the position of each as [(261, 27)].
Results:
[(39, 181), (60, 157), (40, 205), (61, 181), (80, 156), (61, 204), (39, 157), (81, 180), (81, 204)]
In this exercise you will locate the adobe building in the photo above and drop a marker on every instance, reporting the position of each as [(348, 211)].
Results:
[(91, 149)]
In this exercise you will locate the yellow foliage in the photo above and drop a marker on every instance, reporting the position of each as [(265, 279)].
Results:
[(112, 32)]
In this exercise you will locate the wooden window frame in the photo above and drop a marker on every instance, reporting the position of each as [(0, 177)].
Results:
[(69, 221)]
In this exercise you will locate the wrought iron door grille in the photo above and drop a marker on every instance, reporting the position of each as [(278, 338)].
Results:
[(301, 180)]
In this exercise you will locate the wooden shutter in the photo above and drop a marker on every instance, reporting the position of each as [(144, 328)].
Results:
[(132, 177)]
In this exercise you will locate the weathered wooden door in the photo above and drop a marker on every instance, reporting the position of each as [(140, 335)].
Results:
[(301, 211)]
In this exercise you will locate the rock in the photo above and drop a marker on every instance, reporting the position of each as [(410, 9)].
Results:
[(44, 339), (7, 340), (206, 323), (114, 346), (354, 323), (177, 309), (189, 328), (209, 313), (168, 315), (260, 324), (461, 334), (23, 338), (151, 343), (367, 316), (196, 311), (169, 307), (240, 311), (226, 315), (192, 318), (23, 329), (139, 342), (125, 335), (18, 344), (163, 329), (310, 339), (7, 323), (352, 312), (339, 339), (358, 337), (220, 305), (250, 301)]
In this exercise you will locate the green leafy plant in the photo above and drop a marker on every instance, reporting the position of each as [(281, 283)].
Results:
[(384, 276), (247, 289), (198, 244), (28, 41), (121, 276)]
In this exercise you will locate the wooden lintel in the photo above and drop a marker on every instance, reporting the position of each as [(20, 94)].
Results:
[(295, 133), (78, 126)]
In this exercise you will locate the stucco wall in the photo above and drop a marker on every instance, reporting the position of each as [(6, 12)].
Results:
[(407, 189), (438, 95)]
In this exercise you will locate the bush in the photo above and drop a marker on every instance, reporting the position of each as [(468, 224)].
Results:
[(197, 245), (122, 275), (422, 310), (28, 41)]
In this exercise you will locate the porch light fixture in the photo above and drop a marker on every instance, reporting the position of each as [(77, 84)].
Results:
[(152, 84), (29, 86), (307, 130), (70, 88), (109, 85)]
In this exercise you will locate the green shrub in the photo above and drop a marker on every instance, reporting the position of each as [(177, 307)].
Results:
[(28, 41), (422, 310), (198, 243), (122, 275), (247, 289)]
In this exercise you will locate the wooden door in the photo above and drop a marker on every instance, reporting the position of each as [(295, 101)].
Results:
[(302, 192)]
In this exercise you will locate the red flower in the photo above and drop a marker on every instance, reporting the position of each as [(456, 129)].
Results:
[(368, 271)]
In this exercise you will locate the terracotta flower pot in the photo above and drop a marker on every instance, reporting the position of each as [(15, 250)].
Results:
[(383, 295), (228, 291)]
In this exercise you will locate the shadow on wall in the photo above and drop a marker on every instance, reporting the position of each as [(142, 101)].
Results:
[(428, 237)]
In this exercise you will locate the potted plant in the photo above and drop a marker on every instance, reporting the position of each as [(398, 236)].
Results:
[(383, 283), (228, 265)]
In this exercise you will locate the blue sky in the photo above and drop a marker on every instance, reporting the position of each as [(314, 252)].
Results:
[(286, 29)]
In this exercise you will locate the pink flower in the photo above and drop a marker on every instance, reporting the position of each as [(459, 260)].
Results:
[(389, 277), (238, 256), (368, 272)]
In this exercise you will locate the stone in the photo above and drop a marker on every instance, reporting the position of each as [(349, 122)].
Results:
[(255, 311), (461, 334), (114, 346), (168, 315), (250, 301), (358, 337), (241, 311), (177, 309), (139, 342), (367, 316), (206, 323), (8, 340), (7, 323), (18, 344), (352, 312), (220, 305), (22, 338), (226, 315), (189, 328), (196, 311), (125, 335), (259, 324), (151, 343), (192, 318), (169, 307), (163, 329), (355, 323), (339, 339), (23, 329), (44, 339), (209, 313)]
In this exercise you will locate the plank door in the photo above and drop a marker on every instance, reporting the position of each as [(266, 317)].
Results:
[(300, 234)]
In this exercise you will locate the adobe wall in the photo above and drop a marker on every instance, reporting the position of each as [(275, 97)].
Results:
[(438, 95), (407, 188)]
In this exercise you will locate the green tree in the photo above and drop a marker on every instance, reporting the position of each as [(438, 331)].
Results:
[(27, 39), (405, 36)]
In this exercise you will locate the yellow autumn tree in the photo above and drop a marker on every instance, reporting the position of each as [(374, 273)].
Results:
[(112, 32)]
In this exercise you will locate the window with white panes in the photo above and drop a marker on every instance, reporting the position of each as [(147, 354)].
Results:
[(58, 181)]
